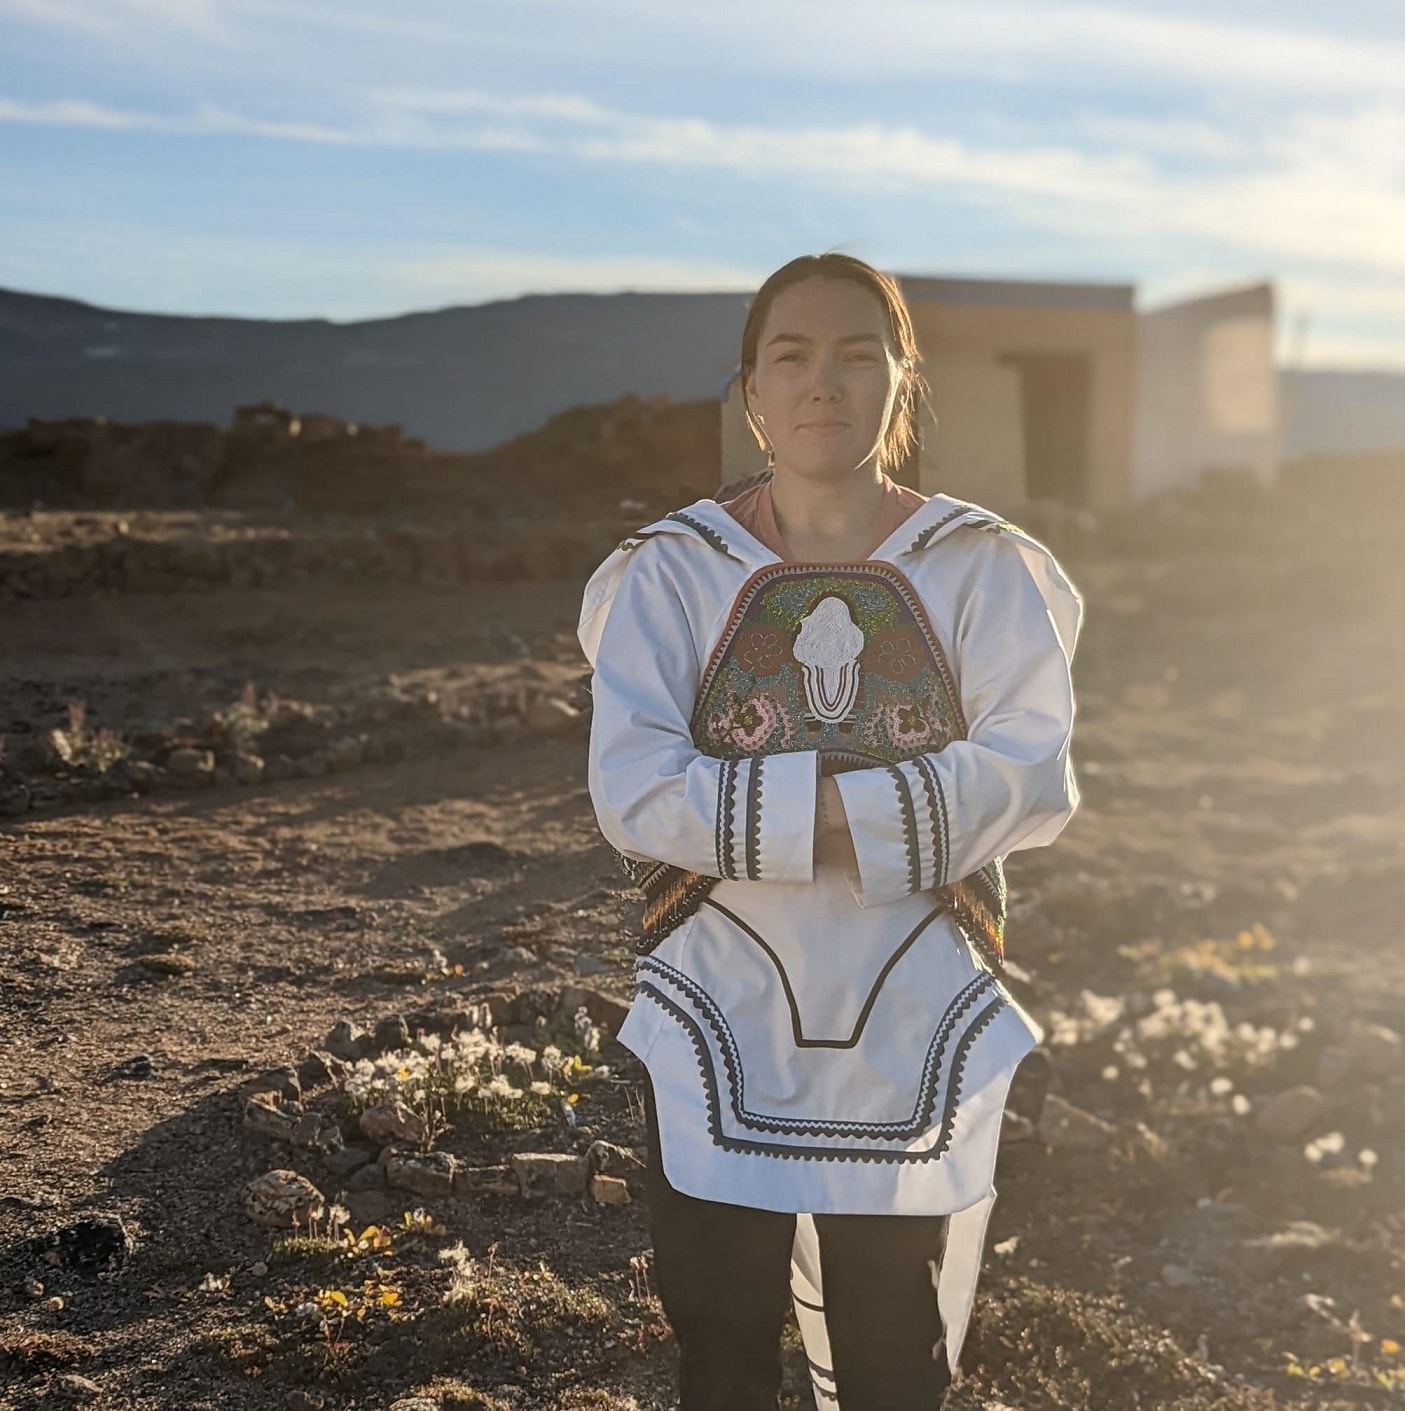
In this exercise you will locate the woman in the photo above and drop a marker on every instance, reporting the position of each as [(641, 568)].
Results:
[(824, 710)]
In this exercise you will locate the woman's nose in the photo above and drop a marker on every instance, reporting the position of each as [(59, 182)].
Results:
[(824, 381)]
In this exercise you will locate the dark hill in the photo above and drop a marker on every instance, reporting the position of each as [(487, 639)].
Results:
[(463, 379)]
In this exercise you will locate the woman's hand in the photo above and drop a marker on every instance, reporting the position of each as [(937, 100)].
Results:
[(834, 845)]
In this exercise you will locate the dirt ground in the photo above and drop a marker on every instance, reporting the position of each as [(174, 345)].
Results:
[(1214, 927)]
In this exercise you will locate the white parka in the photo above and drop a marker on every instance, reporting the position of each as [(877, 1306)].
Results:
[(820, 1040)]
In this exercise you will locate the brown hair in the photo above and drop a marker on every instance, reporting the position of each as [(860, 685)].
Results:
[(900, 438)]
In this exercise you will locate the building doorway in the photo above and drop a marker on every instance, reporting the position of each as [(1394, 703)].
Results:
[(1056, 395)]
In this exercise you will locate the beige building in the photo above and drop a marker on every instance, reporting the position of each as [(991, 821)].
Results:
[(1064, 392)]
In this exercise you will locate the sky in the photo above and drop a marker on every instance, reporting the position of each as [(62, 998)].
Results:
[(357, 158)]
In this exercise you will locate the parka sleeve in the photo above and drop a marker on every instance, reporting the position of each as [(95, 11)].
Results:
[(1009, 785), (656, 796)]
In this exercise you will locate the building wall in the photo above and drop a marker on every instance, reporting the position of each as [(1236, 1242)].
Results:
[(979, 449), (1206, 390)]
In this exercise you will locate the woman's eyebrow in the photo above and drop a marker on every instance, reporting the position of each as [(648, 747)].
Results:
[(801, 338)]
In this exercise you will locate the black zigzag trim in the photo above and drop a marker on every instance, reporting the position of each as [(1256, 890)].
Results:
[(790, 1153), (922, 766), (707, 532), (904, 1130), (925, 536), (753, 819), (727, 787), (941, 824), (914, 861)]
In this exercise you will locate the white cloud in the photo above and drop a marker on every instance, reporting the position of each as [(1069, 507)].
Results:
[(1054, 46), (116, 19), (1319, 189)]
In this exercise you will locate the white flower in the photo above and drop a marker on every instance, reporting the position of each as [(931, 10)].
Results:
[(1221, 1085), (520, 1054), (541, 1089), (431, 1043), (500, 1087), (1240, 1105)]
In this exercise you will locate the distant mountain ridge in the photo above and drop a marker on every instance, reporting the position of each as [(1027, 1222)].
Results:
[(470, 377), (463, 378)]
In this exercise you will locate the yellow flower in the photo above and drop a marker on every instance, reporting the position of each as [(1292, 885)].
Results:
[(1389, 1346)]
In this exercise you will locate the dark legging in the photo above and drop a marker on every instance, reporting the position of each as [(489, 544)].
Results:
[(723, 1275)]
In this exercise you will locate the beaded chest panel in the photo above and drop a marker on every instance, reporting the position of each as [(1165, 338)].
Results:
[(836, 659)]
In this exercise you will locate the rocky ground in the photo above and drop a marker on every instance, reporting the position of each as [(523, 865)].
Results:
[(271, 846)]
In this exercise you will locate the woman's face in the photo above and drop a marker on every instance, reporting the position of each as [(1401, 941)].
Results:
[(826, 377)]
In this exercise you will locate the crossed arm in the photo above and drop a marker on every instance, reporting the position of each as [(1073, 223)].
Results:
[(897, 829)]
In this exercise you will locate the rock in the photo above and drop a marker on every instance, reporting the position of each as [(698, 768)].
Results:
[(431, 1174), (1334, 1066), (1030, 1086), (1299, 1248), (605, 1158), (370, 1177), (550, 1173), (14, 800), (603, 1009), (609, 1190), (1065, 1126), (1014, 1128), (279, 767), (246, 769), (92, 1244), (264, 1114), (550, 716), (1374, 1051), (320, 1068), (345, 752), (1178, 1276), (392, 1121), (138, 1066), (344, 1160), (1392, 1102), (485, 1180), (282, 1200), (507, 729), (1291, 1113), (417, 1403), (188, 765), (392, 1033), (282, 1081), (591, 965), (317, 1133), (348, 1041), (367, 1208), (144, 775), (76, 1388), (311, 766)]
